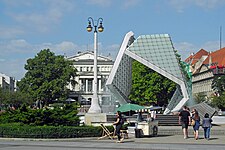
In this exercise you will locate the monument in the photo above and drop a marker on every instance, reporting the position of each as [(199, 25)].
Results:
[(156, 52)]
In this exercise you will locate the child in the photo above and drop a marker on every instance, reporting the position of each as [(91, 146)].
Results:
[(206, 124)]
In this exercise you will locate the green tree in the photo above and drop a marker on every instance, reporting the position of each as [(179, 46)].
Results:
[(47, 76), (14, 97), (218, 84), (219, 101), (150, 87), (2, 96), (65, 115), (200, 97)]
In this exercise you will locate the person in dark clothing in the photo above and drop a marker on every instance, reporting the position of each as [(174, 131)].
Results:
[(118, 123), (185, 120)]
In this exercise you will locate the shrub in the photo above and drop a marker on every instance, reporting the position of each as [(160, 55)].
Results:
[(25, 131), (66, 116)]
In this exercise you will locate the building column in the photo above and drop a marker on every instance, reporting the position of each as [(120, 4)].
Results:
[(86, 88), (99, 87)]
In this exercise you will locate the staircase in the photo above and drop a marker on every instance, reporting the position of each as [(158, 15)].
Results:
[(203, 108), (167, 120)]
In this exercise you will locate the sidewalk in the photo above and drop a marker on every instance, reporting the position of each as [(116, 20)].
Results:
[(166, 136), (174, 135), (176, 130), (168, 139)]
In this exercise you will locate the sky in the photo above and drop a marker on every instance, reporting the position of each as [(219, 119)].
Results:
[(29, 26)]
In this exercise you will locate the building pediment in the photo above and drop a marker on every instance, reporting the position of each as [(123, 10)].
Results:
[(88, 55), (203, 68)]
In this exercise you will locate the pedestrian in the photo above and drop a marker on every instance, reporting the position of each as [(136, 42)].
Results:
[(196, 119), (184, 120), (206, 125), (118, 123)]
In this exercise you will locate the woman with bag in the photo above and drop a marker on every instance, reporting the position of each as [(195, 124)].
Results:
[(206, 125), (196, 124)]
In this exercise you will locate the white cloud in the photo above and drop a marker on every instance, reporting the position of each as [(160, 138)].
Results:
[(14, 47), (185, 48), (13, 3), (2, 60), (181, 5), (64, 48), (209, 4), (102, 3), (130, 3), (213, 45), (112, 50), (41, 19), (14, 53), (13, 68), (10, 32)]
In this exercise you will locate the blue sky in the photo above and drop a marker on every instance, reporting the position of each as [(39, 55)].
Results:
[(28, 26)]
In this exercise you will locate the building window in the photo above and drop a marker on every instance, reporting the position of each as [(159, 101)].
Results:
[(103, 82), (81, 69), (90, 81), (83, 85)]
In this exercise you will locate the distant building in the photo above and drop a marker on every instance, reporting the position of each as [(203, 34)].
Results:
[(83, 91), (7, 83), (205, 66)]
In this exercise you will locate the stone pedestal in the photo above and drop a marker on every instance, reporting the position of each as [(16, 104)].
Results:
[(95, 118)]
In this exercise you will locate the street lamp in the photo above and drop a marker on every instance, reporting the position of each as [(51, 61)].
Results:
[(95, 108)]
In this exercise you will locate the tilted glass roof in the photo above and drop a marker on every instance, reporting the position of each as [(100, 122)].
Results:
[(158, 50)]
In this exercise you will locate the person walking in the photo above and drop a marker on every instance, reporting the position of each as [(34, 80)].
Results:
[(118, 123), (196, 125), (184, 120), (206, 125)]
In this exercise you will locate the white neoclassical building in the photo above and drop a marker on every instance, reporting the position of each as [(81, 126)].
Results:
[(83, 91)]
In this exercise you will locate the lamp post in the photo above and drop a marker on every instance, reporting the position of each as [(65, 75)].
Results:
[(95, 108)]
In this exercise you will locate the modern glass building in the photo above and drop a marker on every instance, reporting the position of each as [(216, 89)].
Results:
[(154, 51)]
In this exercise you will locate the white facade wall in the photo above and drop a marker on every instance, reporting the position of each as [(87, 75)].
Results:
[(202, 82), (83, 91), (7, 83)]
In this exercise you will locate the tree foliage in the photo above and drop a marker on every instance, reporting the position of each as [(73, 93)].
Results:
[(200, 97), (14, 97), (65, 115), (150, 87), (47, 76), (218, 84), (219, 101)]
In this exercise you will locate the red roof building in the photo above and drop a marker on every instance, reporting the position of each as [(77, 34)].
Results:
[(204, 67)]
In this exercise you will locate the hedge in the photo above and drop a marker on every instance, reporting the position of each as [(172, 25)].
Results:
[(25, 131)]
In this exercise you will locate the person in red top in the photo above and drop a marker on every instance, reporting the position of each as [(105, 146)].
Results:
[(185, 120)]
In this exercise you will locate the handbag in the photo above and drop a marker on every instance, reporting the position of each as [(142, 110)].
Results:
[(192, 122)]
